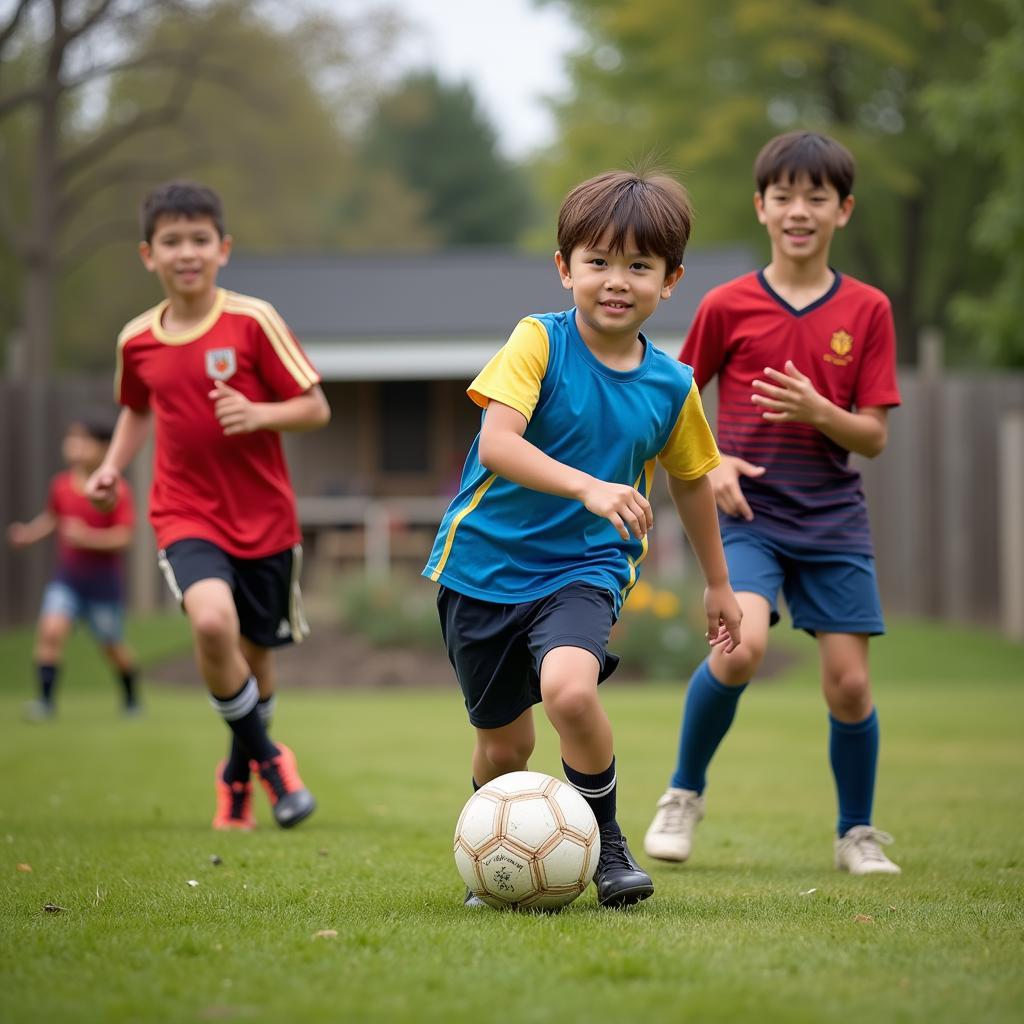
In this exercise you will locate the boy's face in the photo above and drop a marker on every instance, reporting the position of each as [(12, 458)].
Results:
[(801, 217), (615, 292), (81, 450), (186, 255)]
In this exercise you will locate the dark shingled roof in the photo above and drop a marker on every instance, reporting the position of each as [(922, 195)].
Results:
[(460, 293)]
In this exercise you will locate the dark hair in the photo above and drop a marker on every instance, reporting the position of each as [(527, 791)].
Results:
[(96, 425), (186, 199), (821, 158), (651, 208)]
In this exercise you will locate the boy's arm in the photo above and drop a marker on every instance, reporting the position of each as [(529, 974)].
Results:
[(695, 501), (238, 415), (21, 535), (95, 538), (129, 436), (505, 451), (792, 398)]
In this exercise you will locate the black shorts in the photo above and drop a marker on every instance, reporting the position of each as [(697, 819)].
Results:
[(266, 590), (497, 649)]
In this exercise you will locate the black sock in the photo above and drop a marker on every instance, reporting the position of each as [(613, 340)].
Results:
[(598, 790), (243, 719), (128, 683), (237, 767), (47, 681)]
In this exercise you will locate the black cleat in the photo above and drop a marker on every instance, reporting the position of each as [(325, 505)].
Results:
[(620, 881)]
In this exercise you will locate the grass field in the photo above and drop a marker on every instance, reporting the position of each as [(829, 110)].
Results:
[(113, 818)]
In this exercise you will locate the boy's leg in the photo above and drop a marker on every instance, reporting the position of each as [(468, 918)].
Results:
[(711, 698), (122, 660), (56, 620), (106, 621), (568, 683), (853, 751), (502, 750)]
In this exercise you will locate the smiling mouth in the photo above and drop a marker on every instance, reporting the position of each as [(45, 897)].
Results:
[(615, 305)]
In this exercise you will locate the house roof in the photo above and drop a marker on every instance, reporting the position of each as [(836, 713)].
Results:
[(369, 316)]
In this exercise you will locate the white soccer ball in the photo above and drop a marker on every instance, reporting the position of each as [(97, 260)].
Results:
[(527, 841)]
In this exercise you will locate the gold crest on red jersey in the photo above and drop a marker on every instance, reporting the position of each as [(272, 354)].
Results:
[(841, 345)]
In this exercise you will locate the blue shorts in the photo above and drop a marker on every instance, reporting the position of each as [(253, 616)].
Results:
[(104, 618), (497, 649), (825, 591)]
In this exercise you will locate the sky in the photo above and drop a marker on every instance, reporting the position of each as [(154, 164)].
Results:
[(510, 51)]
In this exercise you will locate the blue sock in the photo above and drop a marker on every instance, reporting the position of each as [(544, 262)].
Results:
[(853, 753), (709, 711)]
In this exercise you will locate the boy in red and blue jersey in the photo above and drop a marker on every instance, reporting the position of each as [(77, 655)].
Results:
[(87, 583), (220, 376), (805, 360)]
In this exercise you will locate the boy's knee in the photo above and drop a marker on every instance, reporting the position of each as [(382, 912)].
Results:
[(570, 703), (741, 665), (507, 755), (849, 694), (213, 624)]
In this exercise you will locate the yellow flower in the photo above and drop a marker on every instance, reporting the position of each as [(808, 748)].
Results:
[(641, 596), (665, 604)]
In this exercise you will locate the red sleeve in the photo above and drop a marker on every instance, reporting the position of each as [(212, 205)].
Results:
[(123, 513), (876, 376), (131, 390), (282, 364), (704, 348)]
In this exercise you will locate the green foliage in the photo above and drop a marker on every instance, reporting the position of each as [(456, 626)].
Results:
[(702, 87), (659, 634), (113, 819), (432, 136), (400, 611), (986, 116)]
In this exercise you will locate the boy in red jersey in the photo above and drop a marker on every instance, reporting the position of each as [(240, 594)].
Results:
[(222, 376), (805, 359), (87, 582)]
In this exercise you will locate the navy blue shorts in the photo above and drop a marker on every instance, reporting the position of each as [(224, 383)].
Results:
[(497, 649), (266, 590), (825, 591)]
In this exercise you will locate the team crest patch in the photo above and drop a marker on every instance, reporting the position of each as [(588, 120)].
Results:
[(841, 345), (220, 363)]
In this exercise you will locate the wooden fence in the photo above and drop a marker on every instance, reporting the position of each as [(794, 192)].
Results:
[(945, 498)]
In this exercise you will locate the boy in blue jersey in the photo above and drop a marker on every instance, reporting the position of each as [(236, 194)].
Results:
[(806, 367), (542, 544)]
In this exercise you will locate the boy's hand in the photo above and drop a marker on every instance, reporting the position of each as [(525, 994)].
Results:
[(623, 506), (790, 398), (234, 412), (18, 535), (724, 616), (101, 488), (725, 482)]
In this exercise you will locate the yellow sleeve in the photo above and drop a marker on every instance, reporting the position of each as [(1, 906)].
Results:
[(690, 451), (513, 376)]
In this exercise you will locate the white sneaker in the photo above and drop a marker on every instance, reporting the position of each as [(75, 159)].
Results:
[(670, 836), (859, 851)]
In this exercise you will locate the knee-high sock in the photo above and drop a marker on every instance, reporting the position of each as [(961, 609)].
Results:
[(47, 681), (598, 790), (708, 713), (853, 754), (243, 718), (237, 767)]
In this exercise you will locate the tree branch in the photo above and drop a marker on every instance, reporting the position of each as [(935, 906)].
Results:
[(96, 237), (7, 32)]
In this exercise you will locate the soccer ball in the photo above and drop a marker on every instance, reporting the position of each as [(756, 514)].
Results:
[(527, 841)]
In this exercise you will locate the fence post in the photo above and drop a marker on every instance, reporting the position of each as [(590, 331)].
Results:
[(1011, 524), (377, 541), (930, 363)]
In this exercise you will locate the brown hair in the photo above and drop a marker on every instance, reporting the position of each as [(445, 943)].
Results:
[(651, 209), (821, 158), (186, 199)]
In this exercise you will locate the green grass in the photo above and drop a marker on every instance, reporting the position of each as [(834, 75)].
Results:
[(113, 817)]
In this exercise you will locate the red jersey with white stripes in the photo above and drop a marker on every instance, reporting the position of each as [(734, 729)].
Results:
[(845, 343), (232, 491)]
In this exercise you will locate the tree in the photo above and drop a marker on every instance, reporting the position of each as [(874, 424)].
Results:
[(703, 91), (986, 116), (432, 136)]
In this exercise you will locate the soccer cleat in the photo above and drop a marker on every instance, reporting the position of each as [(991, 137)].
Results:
[(474, 902), (670, 836), (859, 851), (38, 711), (290, 801), (234, 804), (620, 881)]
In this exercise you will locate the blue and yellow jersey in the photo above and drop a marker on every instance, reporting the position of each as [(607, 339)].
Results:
[(508, 544)]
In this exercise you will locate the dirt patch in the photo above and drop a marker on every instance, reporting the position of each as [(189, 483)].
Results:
[(333, 659)]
